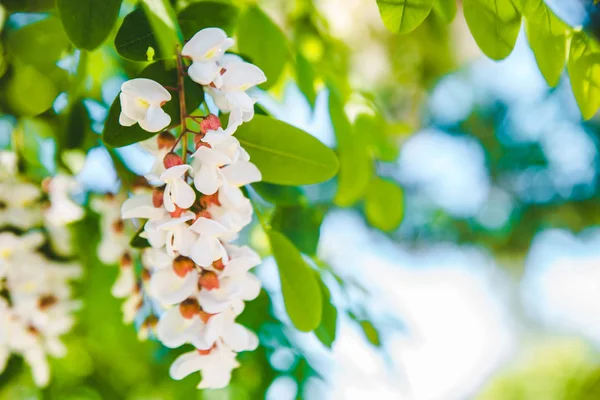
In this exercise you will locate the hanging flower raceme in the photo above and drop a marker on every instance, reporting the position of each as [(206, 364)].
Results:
[(194, 281), (36, 306)]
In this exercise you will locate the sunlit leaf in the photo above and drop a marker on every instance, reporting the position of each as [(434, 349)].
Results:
[(301, 292), (117, 135), (280, 194), (585, 81), (305, 78), (301, 224), (88, 22), (255, 30), (384, 204), (286, 155), (135, 37), (403, 16), (22, 82), (198, 16), (370, 332), (326, 331), (163, 22), (356, 164), (494, 25), (446, 9), (547, 37)]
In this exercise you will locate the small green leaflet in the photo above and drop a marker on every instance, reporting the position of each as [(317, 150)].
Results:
[(547, 37), (88, 22), (286, 155), (135, 36), (117, 135), (446, 9), (585, 81), (301, 224), (384, 204), (403, 16), (494, 25), (356, 164), (255, 29), (326, 331), (301, 291), (305, 78), (207, 14)]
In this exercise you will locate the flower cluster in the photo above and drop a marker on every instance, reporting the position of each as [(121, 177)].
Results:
[(195, 278), (35, 296)]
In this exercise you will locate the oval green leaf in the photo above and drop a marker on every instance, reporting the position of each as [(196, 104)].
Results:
[(403, 16), (445, 9), (326, 331), (117, 135), (585, 81), (88, 22), (384, 205), (286, 155), (198, 16), (356, 164), (255, 29), (494, 25), (135, 37), (301, 291), (547, 36)]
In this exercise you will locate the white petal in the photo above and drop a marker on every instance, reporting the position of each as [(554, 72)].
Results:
[(140, 206), (211, 157), (183, 195), (175, 172), (156, 119), (186, 364), (251, 288), (146, 89), (125, 283), (207, 179), (168, 202), (173, 330), (207, 44), (39, 366), (206, 250), (204, 72), (125, 120), (169, 288), (239, 338), (132, 108), (208, 227), (241, 173), (241, 76)]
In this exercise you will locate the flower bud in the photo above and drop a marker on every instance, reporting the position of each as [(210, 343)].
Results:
[(204, 352), (172, 160), (126, 260), (208, 200), (188, 308), (47, 301), (183, 265), (200, 143), (210, 123), (204, 316), (178, 211), (165, 140), (157, 197), (203, 214), (208, 280), (118, 226), (218, 265)]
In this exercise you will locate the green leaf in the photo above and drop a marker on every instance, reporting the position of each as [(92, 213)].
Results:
[(78, 132), (28, 5), (356, 164), (301, 292), (301, 224), (117, 135), (326, 331), (163, 22), (255, 31), (370, 332), (139, 242), (494, 25), (280, 195), (446, 9), (403, 16), (40, 44), (88, 22), (585, 81), (286, 155), (547, 37), (305, 78), (384, 204), (198, 16), (135, 37), (23, 81)]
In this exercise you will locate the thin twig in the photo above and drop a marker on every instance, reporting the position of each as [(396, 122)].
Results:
[(182, 108)]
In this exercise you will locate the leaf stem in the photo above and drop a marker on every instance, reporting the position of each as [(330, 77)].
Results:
[(182, 107)]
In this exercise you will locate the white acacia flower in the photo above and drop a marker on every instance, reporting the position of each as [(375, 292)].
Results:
[(172, 233), (223, 326), (208, 247), (141, 206), (175, 330), (125, 283), (17, 208), (141, 102), (231, 96), (131, 306), (169, 287), (207, 161), (231, 293), (216, 366), (205, 49), (177, 191), (63, 210)]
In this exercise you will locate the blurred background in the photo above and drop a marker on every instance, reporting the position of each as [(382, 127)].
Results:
[(490, 287)]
